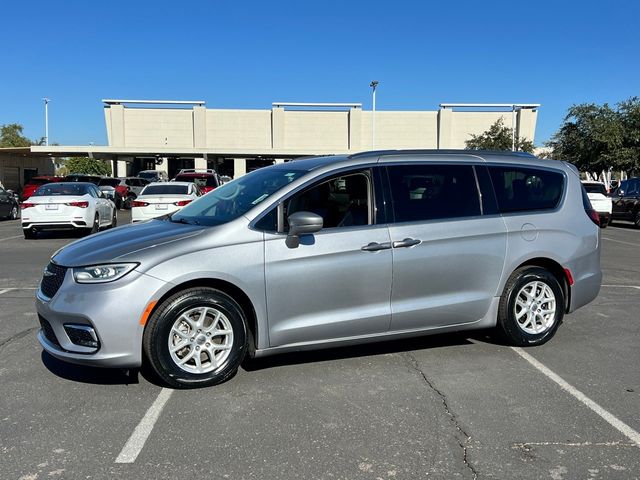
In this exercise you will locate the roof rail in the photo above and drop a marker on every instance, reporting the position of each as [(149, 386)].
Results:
[(375, 153)]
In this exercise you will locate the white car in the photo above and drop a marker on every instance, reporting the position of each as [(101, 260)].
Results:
[(600, 201), (67, 205), (162, 198)]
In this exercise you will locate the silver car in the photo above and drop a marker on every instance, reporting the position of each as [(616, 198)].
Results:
[(329, 251)]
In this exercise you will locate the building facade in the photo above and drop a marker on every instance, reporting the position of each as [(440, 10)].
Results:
[(171, 135)]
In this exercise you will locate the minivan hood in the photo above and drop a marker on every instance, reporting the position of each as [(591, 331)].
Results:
[(115, 245)]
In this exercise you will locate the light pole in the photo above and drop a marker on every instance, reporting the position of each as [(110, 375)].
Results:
[(46, 121), (373, 85)]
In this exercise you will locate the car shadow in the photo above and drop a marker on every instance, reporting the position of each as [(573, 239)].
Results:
[(91, 375), (368, 349), (48, 234)]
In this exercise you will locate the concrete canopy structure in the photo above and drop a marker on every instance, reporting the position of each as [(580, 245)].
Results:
[(169, 135)]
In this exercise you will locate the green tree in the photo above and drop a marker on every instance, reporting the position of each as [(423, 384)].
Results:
[(89, 166), (498, 137), (600, 137), (11, 136)]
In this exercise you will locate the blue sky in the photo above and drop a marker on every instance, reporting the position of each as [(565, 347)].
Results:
[(241, 54)]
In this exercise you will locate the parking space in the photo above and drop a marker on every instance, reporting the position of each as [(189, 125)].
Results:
[(447, 406)]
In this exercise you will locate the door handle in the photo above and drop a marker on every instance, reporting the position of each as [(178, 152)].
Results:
[(407, 242), (375, 246)]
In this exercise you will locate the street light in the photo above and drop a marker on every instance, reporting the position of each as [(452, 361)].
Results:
[(373, 85), (46, 121)]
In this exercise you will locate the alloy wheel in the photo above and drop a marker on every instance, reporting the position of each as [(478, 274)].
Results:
[(535, 308)]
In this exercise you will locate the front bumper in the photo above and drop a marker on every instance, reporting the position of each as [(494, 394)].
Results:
[(113, 310)]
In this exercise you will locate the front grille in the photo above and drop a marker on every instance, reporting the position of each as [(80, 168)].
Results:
[(52, 279), (48, 331)]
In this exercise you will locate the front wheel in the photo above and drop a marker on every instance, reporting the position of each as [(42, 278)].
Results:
[(30, 233), (531, 307), (196, 338)]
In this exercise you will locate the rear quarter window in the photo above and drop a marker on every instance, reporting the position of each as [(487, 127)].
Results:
[(521, 189)]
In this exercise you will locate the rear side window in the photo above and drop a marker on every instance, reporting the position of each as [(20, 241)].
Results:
[(520, 189), (431, 192)]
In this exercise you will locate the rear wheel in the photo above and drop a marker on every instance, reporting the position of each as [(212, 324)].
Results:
[(196, 338), (636, 219), (14, 213), (30, 233), (531, 307), (114, 220), (95, 228)]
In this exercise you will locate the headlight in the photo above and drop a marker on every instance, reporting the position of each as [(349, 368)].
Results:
[(102, 273)]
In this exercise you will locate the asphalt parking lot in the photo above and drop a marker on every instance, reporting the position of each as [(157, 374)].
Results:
[(448, 406)]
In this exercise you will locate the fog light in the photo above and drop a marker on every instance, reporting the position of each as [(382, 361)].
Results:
[(82, 335)]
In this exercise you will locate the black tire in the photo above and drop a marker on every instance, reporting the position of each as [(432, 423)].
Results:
[(155, 342), (30, 233), (114, 220), (14, 213), (95, 228), (510, 329), (128, 201), (636, 219)]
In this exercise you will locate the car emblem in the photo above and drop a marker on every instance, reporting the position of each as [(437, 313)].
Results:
[(47, 273)]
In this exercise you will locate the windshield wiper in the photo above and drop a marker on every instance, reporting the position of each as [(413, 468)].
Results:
[(185, 221)]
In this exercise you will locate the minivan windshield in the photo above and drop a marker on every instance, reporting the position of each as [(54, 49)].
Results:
[(237, 197)]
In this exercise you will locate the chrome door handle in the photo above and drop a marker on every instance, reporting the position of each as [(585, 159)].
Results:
[(375, 246), (407, 242)]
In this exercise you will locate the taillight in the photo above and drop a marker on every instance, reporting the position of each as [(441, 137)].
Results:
[(137, 203), (182, 203), (78, 204), (593, 215), (26, 205)]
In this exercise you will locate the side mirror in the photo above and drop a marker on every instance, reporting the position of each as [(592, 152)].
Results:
[(302, 223)]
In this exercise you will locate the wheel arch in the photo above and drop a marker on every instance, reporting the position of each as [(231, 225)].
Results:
[(230, 289), (556, 270)]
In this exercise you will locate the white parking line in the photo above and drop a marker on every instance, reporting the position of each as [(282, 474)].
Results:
[(637, 287), (5, 290), (10, 238), (608, 417), (621, 241), (136, 441)]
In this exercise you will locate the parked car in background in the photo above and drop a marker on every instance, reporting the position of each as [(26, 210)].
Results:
[(67, 205), (120, 189), (225, 179), (9, 205), (296, 256), (163, 198), (206, 179), (154, 175), (626, 201), (600, 201), (35, 182), (81, 177)]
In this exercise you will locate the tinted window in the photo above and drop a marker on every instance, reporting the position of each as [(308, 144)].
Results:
[(341, 201), (201, 180), (56, 189), (165, 189), (429, 192), (522, 189), (595, 188), (111, 182)]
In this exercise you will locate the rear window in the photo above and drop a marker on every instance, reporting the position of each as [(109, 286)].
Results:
[(59, 189), (201, 180), (520, 189), (110, 182), (595, 188), (38, 181), (165, 189)]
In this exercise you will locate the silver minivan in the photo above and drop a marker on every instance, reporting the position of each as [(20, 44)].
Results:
[(329, 251)]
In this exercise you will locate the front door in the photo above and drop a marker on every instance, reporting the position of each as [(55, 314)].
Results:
[(329, 287), (447, 257)]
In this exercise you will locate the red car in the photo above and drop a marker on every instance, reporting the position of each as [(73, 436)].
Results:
[(35, 182), (207, 179)]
